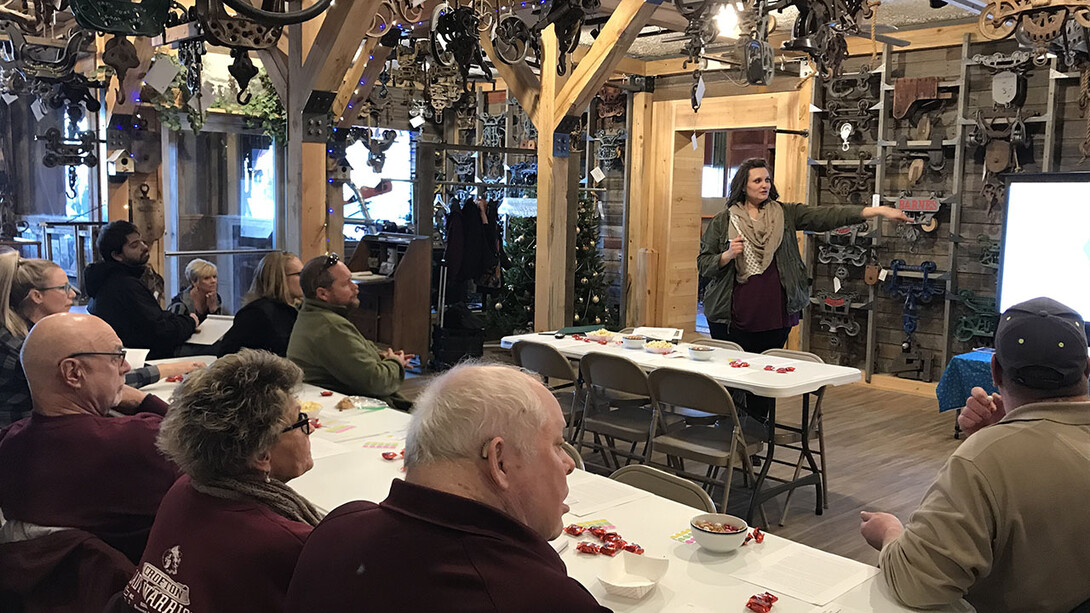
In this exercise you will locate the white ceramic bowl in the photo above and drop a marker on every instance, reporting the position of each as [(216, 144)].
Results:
[(720, 542), (701, 353), (631, 341), (632, 576), (608, 336), (659, 350)]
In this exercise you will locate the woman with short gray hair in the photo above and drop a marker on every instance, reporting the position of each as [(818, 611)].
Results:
[(200, 298), (230, 530)]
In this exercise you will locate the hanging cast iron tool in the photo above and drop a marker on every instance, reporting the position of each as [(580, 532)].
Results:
[(820, 29), (47, 72), (1041, 23), (1002, 132), (514, 40), (851, 98), (240, 34), (854, 186), (911, 363), (377, 147), (701, 30), (835, 315), (455, 40)]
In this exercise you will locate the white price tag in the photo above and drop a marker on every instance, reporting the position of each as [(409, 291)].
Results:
[(597, 174), (39, 110), (695, 144), (700, 90), (9, 98), (876, 200), (883, 274), (161, 73), (836, 284), (416, 122)]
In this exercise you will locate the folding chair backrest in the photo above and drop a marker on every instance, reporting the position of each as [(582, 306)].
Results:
[(614, 373), (571, 451), (691, 390), (804, 356), (666, 485), (543, 359), (714, 342)]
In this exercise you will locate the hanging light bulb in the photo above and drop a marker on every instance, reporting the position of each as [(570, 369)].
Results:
[(726, 21)]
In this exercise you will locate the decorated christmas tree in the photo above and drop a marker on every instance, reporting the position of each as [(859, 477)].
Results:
[(513, 311), (590, 282)]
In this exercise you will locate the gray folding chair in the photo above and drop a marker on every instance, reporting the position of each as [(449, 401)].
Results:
[(557, 370), (811, 426), (722, 447), (617, 407), (666, 485), (714, 342)]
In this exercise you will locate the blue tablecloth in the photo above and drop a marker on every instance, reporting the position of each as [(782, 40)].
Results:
[(962, 374)]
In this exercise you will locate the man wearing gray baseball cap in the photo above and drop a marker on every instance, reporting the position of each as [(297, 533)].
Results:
[(1004, 526)]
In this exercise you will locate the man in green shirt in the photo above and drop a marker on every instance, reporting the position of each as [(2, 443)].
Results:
[(330, 349)]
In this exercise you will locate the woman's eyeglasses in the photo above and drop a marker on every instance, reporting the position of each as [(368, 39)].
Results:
[(304, 423), (67, 287)]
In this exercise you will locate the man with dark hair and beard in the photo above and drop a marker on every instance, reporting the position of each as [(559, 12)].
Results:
[(119, 296)]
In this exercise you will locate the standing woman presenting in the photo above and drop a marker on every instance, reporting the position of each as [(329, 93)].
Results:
[(759, 284)]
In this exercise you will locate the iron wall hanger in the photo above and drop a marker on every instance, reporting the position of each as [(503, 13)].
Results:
[(610, 149), (1001, 132), (911, 363), (852, 185), (989, 251), (842, 248), (982, 319), (835, 314), (612, 102)]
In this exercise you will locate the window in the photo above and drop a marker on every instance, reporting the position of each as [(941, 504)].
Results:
[(225, 209), (395, 205)]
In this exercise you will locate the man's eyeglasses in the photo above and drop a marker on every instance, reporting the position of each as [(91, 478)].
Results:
[(304, 423), (118, 356), (67, 287), (331, 260)]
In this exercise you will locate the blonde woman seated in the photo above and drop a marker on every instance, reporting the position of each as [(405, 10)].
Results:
[(30, 290), (228, 534), (269, 309), (200, 298)]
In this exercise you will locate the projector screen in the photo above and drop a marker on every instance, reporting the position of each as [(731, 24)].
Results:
[(1046, 241)]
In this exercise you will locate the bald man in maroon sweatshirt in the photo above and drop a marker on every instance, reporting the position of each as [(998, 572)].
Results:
[(70, 464), (484, 489)]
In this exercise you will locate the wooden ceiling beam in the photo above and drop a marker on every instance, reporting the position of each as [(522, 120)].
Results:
[(608, 49), (522, 83), (365, 84), (666, 16), (275, 62), (337, 42)]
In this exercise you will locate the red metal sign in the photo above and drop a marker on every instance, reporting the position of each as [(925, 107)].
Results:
[(926, 205)]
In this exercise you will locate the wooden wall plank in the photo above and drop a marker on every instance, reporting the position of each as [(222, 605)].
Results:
[(636, 286)]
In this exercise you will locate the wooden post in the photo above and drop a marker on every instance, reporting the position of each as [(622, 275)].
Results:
[(639, 192)]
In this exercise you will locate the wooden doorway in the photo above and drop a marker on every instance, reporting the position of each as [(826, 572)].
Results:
[(665, 229)]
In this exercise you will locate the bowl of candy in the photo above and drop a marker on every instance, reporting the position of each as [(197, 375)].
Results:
[(600, 335), (719, 532), (701, 353), (659, 347), (632, 341), (632, 576)]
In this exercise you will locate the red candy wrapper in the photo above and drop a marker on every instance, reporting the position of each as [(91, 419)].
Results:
[(389, 455), (610, 549), (599, 532), (327, 393), (790, 369), (610, 537), (761, 603), (575, 530), (633, 548), (770, 367), (758, 535), (586, 547)]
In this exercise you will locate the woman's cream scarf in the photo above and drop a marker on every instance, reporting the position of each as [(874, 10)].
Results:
[(762, 237)]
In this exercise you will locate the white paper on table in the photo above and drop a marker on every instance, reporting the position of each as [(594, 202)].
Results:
[(662, 334), (836, 608), (322, 448), (805, 573), (588, 495), (212, 330), (136, 357)]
